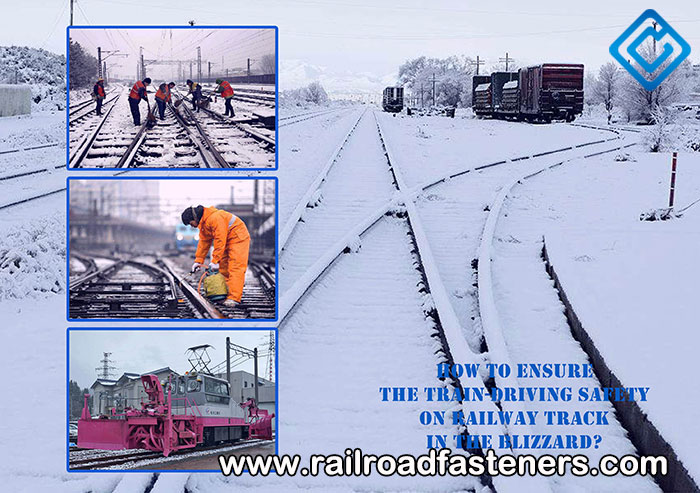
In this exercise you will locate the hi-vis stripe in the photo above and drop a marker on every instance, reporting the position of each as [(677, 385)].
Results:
[(233, 220)]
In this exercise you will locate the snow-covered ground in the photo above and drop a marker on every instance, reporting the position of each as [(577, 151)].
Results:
[(632, 283), (362, 325)]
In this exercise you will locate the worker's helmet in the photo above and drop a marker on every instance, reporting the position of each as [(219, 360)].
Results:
[(100, 79), (189, 82), (147, 80), (171, 84), (219, 81)]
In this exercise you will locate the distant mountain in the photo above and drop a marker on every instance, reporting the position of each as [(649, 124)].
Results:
[(297, 73)]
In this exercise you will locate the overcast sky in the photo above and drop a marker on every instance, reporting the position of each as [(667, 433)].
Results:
[(376, 37), (227, 48), (142, 351)]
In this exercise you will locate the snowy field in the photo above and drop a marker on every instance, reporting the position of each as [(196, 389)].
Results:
[(362, 324), (610, 263)]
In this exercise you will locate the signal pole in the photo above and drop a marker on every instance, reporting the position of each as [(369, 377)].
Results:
[(507, 59), (478, 63), (99, 61), (143, 65), (199, 63)]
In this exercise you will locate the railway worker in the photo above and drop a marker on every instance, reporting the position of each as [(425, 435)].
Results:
[(196, 91), (226, 91), (98, 92), (138, 92), (229, 235), (163, 97)]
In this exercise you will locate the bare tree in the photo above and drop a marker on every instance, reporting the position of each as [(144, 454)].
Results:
[(315, 93), (640, 103), (268, 64), (605, 89)]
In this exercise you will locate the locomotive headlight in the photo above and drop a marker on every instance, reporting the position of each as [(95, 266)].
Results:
[(180, 237)]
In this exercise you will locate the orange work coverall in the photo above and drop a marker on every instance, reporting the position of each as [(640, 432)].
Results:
[(231, 242)]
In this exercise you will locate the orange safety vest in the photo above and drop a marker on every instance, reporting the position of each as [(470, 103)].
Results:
[(227, 89), (100, 91), (164, 96), (134, 94)]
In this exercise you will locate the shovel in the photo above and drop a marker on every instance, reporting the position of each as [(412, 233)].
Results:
[(151, 117)]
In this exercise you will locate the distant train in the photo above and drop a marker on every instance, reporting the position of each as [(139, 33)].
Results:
[(393, 99), (544, 92), (182, 413), (186, 237)]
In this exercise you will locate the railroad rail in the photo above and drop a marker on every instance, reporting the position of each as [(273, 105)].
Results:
[(292, 119), (86, 459), (402, 206), (156, 288), (182, 140)]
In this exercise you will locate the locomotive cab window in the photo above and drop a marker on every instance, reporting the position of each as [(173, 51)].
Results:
[(216, 391), (193, 385)]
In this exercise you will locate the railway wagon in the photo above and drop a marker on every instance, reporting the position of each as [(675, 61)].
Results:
[(551, 90), (187, 411), (498, 80), (483, 102), (477, 80), (392, 99), (510, 100)]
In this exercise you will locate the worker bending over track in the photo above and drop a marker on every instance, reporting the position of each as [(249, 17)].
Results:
[(196, 91), (229, 235), (163, 97), (138, 92)]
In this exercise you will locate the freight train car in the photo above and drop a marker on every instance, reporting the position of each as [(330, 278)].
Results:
[(182, 413), (551, 90), (477, 80), (483, 101), (539, 93), (392, 100)]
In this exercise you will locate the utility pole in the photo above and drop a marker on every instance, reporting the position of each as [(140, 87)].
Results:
[(199, 63), (271, 352), (654, 24), (507, 59), (99, 61), (478, 63), (190, 70), (104, 70), (71, 12), (143, 64), (228, 360), (255, 365), (209, 71), (105, 370)]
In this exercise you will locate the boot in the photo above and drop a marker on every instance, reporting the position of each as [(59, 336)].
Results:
[(231, 303)]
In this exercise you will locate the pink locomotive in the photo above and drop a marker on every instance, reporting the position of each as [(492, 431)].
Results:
[(187, 411)]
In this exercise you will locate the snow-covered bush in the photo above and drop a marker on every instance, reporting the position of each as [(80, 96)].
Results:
[(43, 71), (659, 137), (32, 258), (313, 94)]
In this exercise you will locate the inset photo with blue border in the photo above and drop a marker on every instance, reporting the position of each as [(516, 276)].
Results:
[(169, 400), (175, 248), (172, 97)]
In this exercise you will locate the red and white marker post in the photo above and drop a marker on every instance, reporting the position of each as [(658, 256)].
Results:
[(673, 180)]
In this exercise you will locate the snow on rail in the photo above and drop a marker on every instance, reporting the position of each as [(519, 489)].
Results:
[(318, 181)]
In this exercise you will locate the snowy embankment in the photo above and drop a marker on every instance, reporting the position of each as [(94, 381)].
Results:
[(630, 282)]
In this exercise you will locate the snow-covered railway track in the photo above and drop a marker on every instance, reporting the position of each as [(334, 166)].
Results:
[(184, 139), (292, 119), (154, 287), (429, 258)]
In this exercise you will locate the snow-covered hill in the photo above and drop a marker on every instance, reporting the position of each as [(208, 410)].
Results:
[(44, 71)]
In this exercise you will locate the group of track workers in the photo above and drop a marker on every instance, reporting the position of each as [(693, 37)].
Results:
[(139, 92), (220, 231)]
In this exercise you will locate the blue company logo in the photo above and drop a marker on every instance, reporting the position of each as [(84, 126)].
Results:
[(645, 70)]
